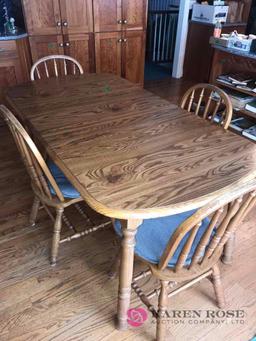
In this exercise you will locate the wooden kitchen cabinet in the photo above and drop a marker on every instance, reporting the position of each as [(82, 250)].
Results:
[(76, 16), (42, 16), (199, 53), (133, 56), (108, 52), (119, 15), (42, 46), (78, 46), (121, 54), (103, 35), (15, 64), (45, 17), (107, 15), (134, 14), (81, 47)]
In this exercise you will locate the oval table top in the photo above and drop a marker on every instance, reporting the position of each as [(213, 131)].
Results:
[(128, 152)]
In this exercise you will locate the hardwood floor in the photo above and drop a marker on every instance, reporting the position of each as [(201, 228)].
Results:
[(76, 300)]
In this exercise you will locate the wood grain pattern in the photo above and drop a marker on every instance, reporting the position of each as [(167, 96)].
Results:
[(76, 16), (107, 15), (108, 49), (134, 14), (15, 63), (42, 16), (81, 47), (199, 53), (123, 142), (38, 302), (133, 56), (45, 45), (122, 54)]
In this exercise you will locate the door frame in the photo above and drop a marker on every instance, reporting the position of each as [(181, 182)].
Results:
[(181, 39)]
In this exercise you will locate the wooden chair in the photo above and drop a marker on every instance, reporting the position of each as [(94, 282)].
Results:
[(51, 188), (51, 65), (210, 102), (182, 249)]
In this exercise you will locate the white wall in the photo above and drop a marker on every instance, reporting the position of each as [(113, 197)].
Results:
[(181, 39)]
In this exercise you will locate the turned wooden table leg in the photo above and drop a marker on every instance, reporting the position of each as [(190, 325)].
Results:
[(126, 271), (229, 250)]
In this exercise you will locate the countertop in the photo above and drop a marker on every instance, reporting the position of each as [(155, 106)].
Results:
[(235, 52), (16, 36)]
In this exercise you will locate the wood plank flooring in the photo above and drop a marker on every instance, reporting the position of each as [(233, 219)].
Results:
[(76, 300)]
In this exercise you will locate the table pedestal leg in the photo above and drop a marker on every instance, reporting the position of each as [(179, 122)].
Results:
[(126, 271)]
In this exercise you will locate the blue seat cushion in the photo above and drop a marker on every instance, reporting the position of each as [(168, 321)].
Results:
[(153, 235), (66, 188)]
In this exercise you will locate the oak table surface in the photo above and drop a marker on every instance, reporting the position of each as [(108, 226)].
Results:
[(128, 152)]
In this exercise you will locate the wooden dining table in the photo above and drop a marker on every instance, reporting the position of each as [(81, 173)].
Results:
[(130, 154)]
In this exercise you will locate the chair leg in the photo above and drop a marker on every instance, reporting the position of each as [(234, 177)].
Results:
[(34, 211), (56, 235), (227, 257), (162, 316), (218, 288)]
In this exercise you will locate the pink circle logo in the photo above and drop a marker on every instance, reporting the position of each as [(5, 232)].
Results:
[(136, 316)]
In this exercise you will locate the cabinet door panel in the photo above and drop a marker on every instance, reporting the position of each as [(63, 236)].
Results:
[(42, 16), (81, 47), (133, 56), (42, 46), (108, 52), (15, 63), (107, 14), (135, 13), (78, 16)]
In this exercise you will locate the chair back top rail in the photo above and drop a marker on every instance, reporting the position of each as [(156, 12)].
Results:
[(44, 64), (35, 164), (224, 214), (209, 101)]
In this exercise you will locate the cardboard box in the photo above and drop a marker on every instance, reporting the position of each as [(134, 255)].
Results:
[(243, 45), (224, 42), (209, 14)]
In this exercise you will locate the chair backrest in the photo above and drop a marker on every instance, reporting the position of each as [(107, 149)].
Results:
[(210, 102), (35, 164), (51, 66), (224, 214)]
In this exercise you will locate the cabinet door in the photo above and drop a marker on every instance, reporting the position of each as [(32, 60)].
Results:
[(42, 16), (81, 47), (42, 46), (107, 15), (15, 63), (108, 52), (134, 14), (133, 56), (10, 71), (76, 16)]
